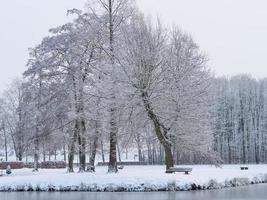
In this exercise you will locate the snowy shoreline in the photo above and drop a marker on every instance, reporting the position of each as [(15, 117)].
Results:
[(134, 179)]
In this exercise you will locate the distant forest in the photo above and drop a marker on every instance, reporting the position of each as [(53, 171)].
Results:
[(240, 119)]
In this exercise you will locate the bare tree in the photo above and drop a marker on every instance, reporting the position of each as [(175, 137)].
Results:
[(112, 14), (168, 76)]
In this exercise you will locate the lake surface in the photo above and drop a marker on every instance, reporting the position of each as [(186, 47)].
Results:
[(254, 192)]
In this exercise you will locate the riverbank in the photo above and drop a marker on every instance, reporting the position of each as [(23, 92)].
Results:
[(134, 179)]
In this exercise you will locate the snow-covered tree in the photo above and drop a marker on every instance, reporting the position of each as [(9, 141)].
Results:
[(168, 78)]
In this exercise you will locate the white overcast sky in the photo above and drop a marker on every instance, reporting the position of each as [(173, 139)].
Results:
[(232, 32)]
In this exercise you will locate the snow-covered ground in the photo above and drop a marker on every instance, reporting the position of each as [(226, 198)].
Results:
[(133, 178)]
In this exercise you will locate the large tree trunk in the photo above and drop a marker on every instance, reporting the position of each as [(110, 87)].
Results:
[(93, 152), (82, 147), (64, 152), (140, 158), (112, 167), (94, 146), (44, 151), (149, 154), (168, 157), (55, 155), (139, 147), (161, 158), (36, 154), (71, 148), (20, 156), (71, 157), (102, 151), (49, 155), (26, 155), (160, 130)]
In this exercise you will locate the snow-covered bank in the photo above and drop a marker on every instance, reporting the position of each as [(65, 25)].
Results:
[(134, 179)]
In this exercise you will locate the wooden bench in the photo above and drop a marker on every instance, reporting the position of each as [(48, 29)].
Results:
[(178, 169), (244, 168)]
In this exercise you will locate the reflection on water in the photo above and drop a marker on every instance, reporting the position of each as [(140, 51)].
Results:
[(255, 192)]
